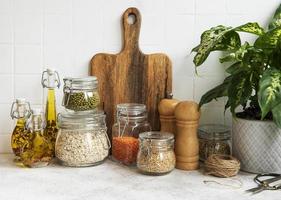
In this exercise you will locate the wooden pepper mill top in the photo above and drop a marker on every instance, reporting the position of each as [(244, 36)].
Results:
[(167, 107), (187, 111), (187, 146), (166, 110)]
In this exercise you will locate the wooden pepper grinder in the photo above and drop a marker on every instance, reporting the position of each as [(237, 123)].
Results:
[(186, 144), (166, 110)]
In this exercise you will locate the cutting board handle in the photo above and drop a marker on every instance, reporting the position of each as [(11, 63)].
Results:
[(131, 30)]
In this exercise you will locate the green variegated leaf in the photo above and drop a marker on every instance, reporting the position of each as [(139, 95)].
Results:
[(276, 112), (269, 93), (235, 68), (269, 40), (229, 41), (240, 90), (218, 91), (195, 49), (237, 55), (250, 27), (216, 38), (276, 56), (276, 21)]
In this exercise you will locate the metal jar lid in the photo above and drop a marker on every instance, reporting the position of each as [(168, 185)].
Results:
[(157, 138), (81, 120), (214, 132), (86, 83)]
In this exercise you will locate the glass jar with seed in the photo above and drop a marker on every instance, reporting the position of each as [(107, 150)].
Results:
[(131, 120), (156, 153), (81, 94), (82, 139), (213, 139)]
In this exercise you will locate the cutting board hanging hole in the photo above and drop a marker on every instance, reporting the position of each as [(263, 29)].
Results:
[(131, 19)]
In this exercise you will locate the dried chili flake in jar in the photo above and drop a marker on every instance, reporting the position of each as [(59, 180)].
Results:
[(131, 121)]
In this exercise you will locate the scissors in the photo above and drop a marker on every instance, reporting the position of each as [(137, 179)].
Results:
[(266, 184)]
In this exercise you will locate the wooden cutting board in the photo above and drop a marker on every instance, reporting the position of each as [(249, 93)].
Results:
[(132, 76)]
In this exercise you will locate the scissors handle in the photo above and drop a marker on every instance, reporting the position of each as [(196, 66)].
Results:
[(265, 183)]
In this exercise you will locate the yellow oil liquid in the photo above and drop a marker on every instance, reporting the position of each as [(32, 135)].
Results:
[(20, 137), (51, 129), (39, 153)]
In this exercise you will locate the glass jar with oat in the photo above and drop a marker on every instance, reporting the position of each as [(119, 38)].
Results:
[(156, 154), (131, 121), (82, 139), (213, 139)]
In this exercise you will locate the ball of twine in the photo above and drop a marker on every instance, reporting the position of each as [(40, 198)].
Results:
[(222, 165)]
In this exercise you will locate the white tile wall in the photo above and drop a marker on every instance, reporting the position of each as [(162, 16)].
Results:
[(65, 34)]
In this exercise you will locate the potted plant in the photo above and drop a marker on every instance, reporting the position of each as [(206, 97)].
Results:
[(253, 82)]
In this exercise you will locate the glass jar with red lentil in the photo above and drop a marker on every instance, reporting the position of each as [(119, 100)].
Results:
[(131, 120)]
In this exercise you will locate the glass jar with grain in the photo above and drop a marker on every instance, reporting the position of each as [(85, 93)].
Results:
[(213, 139), (82, 139), (156, 154), (131, 121), (80, 94)]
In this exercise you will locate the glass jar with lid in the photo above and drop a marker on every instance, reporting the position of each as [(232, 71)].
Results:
[(213, 139), (131, 121), (156, 154), (80, 94), (82, 139)]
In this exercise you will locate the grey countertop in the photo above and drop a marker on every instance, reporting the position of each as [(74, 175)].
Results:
[(112, 181)]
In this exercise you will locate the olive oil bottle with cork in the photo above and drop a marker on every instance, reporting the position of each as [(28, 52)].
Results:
[(51, 81), (39, 152), (21, 111)]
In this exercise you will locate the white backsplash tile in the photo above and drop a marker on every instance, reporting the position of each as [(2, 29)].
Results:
[(180, 6), (6, 123), (6, 24), (28, 59), (6, 59), (6, 6), (28, 6), (7, 88), (58, 29), (152, 29), (28, 28), (57, 6), (179, 40), (29, 87), (183, 87), (210, 7)]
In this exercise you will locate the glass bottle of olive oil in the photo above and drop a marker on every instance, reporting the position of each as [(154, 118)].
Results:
[(51, 80), (39, 152), (20, 110)]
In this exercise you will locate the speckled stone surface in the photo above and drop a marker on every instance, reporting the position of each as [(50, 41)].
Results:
[(112, 181)]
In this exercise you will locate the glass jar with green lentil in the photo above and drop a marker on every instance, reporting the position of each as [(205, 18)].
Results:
[(81, 94), (213, 139)]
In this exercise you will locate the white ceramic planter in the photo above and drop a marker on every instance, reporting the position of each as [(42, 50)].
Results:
[(257, 144)]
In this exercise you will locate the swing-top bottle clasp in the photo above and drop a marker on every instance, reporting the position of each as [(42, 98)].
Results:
[(50, 79), (20, 109)]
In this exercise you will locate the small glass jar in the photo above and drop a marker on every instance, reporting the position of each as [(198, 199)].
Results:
[(80, 94), (156, 155), (213, 139), (131, 121), (82, 139)]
